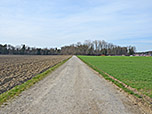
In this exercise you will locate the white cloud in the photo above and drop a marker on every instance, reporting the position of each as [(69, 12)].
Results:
[(71, 21)]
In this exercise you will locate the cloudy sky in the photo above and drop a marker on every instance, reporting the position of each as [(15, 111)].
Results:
[(55, 23)]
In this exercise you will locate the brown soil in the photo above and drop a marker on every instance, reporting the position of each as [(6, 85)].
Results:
[(16, 69), (72, 89)]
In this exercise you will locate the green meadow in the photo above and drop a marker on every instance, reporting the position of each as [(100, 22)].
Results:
[(133, 71)]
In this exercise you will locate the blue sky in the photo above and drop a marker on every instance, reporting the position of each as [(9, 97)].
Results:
[(55, 23)]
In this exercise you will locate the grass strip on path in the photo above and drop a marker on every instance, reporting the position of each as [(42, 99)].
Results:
[(19, 88), (110, 79), (143, 101)]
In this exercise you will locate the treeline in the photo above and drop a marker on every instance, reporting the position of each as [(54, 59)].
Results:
[(96, 47)]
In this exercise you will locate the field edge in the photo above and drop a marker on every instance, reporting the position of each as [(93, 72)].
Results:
[(15, 91), (134, 96)]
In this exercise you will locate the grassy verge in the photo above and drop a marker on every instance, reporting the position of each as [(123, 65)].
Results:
[(19, 88), (110, 79)]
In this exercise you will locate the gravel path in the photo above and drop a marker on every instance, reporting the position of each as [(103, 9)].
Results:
[(72, 89)]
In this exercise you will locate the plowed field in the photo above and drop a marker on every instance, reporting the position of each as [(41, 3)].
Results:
[(15, 70)]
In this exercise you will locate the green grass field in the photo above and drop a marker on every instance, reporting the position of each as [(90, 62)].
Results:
[(133, 71)]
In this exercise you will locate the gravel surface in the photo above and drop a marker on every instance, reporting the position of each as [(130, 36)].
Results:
[(17, 69), (72, 89)]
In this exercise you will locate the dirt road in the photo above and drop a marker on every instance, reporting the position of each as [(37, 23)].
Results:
[(72, 89)]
